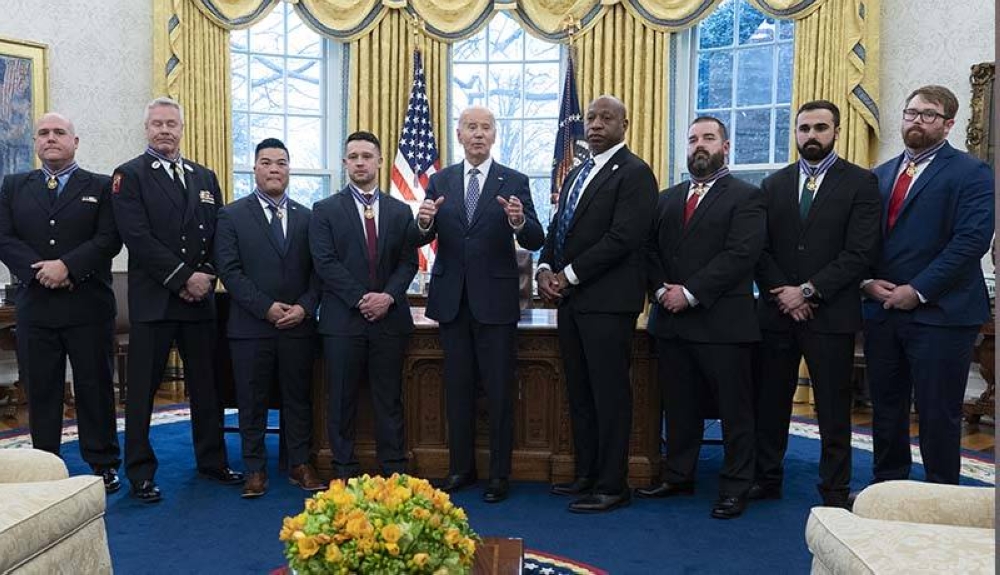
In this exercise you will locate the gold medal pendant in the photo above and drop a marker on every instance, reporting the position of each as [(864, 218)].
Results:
[(911, 169), (369, 213), (53, 183), (811, 184)]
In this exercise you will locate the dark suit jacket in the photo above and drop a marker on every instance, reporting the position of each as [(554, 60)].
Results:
[(834, 248), (79, 229), (257, 273), (713, 257), (340, 257), (943, 229), (169, 236), (605, 241), (478, 258)]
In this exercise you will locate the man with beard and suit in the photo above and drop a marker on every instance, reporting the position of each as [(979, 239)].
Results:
[(58, 236), (706, 239), (476, 209), (364, 246), (822, 235), (165, 207), (262, 254), (593, 266), (926, 299)]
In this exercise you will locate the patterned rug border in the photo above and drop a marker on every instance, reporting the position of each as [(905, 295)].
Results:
[(559, 561), (973, 467)]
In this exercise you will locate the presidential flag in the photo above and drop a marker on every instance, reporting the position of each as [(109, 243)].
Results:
[(417, 155), (571, 147)]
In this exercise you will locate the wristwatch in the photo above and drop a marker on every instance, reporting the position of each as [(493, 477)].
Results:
[(808, 291)]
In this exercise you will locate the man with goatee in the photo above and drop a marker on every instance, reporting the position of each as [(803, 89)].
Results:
[(822, 234), (926, 299), (707, 235)]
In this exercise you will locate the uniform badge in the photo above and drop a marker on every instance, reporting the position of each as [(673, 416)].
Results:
[(206, 197), (116, 183), (155, 165), (89, 199)]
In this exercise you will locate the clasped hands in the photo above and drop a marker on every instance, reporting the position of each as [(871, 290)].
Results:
[(551, 285), (792, 302), (892, 296), (197, 287), (672, 298), (374, 306), (52, 274), (285, 316), (511, 206)]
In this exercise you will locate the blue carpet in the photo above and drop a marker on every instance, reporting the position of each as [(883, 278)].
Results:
[(203, 527)]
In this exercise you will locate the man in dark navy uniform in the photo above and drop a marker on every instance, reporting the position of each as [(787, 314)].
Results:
[(58, 236), (165, 206)]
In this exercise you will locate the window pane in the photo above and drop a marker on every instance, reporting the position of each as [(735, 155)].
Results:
[(242, 147), (539, 143), (715, 80), (240, 72), (782, 128), (752, 136), (268, 34), (536, 49), (755, 68), (754, 26), (305, 141), (506, 39), (786, 30), (239, 39), (716, 31), (307, 190), (541, 192), (304, 78), (243, 185), (541, 90), (785, 63), (267, 88), (505, 90), (507, 148), (302, 40), (265, 127), (468, 86), (472, 49)]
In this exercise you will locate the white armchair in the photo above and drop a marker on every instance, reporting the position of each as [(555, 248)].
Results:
[(906, 527), (50, 523)]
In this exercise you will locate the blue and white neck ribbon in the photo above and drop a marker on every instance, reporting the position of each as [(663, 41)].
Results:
[(278, 206), (367, 202), (914, 160), (819, 169), (718, 174), (52, 178), (161, 157)]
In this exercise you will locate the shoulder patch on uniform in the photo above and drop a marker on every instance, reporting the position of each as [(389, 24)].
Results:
[(116, 183)]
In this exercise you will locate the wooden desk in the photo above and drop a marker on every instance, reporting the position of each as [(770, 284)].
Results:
[(542, 436)]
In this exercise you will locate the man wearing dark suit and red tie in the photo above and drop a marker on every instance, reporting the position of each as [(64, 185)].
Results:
[(165, 208), (58, 236), (476, 209), (593, 265), (262, 255), (822, 235), (926, 299), (706, 240), (364, 246)]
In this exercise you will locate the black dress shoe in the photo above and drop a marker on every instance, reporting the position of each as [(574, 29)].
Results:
[(110, 477), (455, 482), (578, 486), (223, 475), (146, 491), (601, 502), (729, 507), (665, 489), (758, 491), (496, 491)]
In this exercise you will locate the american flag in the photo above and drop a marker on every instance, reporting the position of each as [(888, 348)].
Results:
[(417, 156), (571, 148)]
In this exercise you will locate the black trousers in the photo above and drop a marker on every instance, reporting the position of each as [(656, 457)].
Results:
[(830, 357), (596, 350), (687, 371), (931, 364), (348, 360), (149, 347), (256, 364), (478, 352), (43, 364)]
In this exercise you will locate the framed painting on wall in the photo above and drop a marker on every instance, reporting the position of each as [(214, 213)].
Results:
[(23, 99)]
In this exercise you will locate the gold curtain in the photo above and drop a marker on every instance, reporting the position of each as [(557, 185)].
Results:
[(381, 74), (621, 56), (191, 65)]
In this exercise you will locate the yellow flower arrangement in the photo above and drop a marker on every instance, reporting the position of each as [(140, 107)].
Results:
[(378, 525)]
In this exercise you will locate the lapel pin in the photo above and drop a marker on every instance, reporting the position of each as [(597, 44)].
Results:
[(614, 167), (156, 165)]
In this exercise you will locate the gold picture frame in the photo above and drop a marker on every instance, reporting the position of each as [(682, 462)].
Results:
[(979, 134), (24, 97)]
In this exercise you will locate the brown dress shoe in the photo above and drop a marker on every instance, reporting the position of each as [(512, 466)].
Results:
[(256, 485), (306, 477)]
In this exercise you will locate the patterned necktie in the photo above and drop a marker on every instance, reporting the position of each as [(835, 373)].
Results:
[(276, 230), (178, 172), (697, 190), (472, 194), (899, 193), (569, 208), (806, 199)]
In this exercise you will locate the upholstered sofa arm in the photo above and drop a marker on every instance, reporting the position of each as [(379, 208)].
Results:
[(29, 465), (919, 502)]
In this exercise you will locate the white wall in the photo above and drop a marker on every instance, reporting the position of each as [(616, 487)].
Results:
[(931, 42)]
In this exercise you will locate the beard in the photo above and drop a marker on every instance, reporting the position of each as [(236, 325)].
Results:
[(701, 164), (917, 138), (813, 151)]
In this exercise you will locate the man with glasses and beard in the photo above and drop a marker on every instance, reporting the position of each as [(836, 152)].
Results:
[(926, 299), (707, 236), (822, 234)]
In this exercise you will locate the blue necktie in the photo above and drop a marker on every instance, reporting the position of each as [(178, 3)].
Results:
[(472, 195), (566, 217), (276, 231)]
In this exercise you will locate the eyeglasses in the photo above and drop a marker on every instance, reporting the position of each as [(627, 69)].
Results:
[(926, 116)]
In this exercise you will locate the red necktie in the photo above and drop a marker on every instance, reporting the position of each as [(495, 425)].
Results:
[(692, 202), (899, 194), (372, 238)]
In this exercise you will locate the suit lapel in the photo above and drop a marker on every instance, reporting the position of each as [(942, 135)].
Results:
[(351, 213), (37, 190), (494, 181), (831, 181), (595, 184), (705, 204), (192, 190), (294, 215), (76, 183), (257, 214), (166, 184), (384, 217), (939, 163)]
